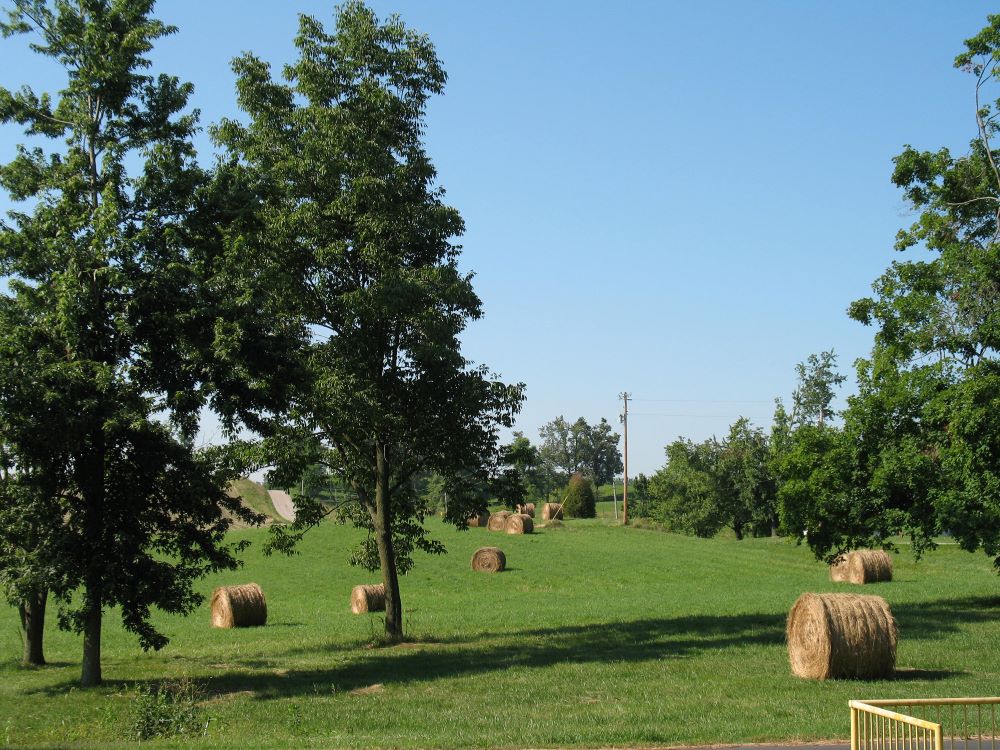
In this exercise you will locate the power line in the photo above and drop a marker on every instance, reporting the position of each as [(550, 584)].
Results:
[(702, 401)]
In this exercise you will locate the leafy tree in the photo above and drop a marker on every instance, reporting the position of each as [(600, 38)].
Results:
[(746, 483), (920, 450), (814, 393), (639, 496), (581, 447), (361, 250), (686, 491), (99, 383), (580, 500)]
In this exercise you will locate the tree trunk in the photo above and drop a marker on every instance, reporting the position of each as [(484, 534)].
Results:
[(32, 611), (92, 488), (738, 529), (386, 553)]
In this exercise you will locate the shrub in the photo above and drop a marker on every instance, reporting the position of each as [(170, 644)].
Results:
[(168, 710), (580, 500)]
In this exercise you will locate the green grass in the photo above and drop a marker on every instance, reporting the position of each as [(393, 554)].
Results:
[(596, 636), (254, 496)]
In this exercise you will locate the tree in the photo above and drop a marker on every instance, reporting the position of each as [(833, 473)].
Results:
[(580, 501), (747, 485), (920, 449), (361, 250), (686, 491), (814, 393), (99, 376), (581, 447)]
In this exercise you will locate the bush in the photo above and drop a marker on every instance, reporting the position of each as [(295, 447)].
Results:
[(580, 499), (168, 710)]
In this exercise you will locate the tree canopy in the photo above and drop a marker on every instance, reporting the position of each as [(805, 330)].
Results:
[(362, 251)]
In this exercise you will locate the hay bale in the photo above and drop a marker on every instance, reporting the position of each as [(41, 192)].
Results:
[(479, 520), (368, 597), (527, 509), (489, 560), (498, 521), (520, 523), (849, 636), (862, 566), (552, 511), (238, 606)]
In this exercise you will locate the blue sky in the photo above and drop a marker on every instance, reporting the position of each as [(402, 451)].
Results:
[(678, 200)]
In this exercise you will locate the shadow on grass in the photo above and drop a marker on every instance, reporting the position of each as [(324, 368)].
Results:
[(620, 641), (933, 619)]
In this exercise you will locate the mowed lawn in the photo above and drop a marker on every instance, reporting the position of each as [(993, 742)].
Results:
[(595, 636)]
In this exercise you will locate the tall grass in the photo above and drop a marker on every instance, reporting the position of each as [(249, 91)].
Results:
[(596, 635)]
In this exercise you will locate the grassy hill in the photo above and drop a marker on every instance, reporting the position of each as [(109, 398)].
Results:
[(254, 496), (595, 636)]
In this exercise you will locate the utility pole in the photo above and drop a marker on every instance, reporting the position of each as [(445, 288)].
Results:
[(625, 397)]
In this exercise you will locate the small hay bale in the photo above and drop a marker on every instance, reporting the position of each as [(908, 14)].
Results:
[(862, 566), (520, 523), (527, 509), (552, 511), (368, 597), (479, 520), (238, 606), (850, 636), (498, 521), (869, 566), (489, 560)]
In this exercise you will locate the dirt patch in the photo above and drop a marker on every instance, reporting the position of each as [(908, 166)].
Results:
[(378, 687)]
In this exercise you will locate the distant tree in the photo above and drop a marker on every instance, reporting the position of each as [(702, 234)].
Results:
[(580, 500), (817, 379), (686, 493), (361, 250), (746, 482), (639, 496), (581, 447), (104, 333)]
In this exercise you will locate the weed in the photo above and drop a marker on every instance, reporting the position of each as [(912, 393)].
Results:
[(168, 710)]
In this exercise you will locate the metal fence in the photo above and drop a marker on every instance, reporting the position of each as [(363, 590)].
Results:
[(927, 724)]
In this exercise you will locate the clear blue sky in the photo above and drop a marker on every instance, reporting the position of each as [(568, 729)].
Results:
[(674, 199)]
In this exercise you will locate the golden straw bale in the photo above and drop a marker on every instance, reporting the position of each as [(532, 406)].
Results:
[(238, 606), (368, 597), (862, 566), (479, 520), (526, 508), (489, 560), (498, 521), (850, 636), (520, 523), (552, 511)]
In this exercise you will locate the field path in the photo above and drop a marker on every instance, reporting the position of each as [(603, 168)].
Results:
[(282, 502)]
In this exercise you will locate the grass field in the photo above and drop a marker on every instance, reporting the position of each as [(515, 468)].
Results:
[(596, 636)]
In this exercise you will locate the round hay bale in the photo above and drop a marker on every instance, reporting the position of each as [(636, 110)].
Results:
[(520, 523), (838, 570), (529, 509), (238, 606), (479, 520), (368, 597), (489, 560), (498, 521), (552, 511), (869, 566), (850, 636)]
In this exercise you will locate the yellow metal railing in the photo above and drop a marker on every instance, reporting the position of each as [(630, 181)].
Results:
[(948, 724)]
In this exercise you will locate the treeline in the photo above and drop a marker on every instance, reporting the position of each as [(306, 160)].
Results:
[(735, 481)]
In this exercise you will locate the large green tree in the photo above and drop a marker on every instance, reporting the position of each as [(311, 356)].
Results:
[(568, 448), (101, 328), (347, 221), (919, 452)]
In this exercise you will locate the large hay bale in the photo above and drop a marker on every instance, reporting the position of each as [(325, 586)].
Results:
[(849, 636), (489, 560), (527, 509), (368, 597), (552, 511), (238, 606), (862, 566), (520, 523), (479, 520), (498, 521)]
